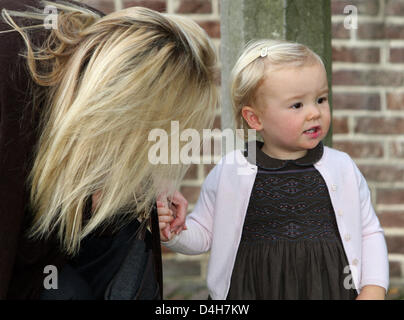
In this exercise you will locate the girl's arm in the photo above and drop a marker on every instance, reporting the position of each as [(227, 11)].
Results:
[(371, 292), (197, 238), (375, 263)]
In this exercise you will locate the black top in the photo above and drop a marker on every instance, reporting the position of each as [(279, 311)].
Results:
[(290, 246), (112, 264)]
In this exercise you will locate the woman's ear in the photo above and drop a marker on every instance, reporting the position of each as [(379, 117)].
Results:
[(251, 116)]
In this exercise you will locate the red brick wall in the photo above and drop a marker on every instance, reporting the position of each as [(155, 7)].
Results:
[(368, 93), (368, 104)]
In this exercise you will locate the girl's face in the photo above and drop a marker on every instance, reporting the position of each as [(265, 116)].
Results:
[(292, 112)]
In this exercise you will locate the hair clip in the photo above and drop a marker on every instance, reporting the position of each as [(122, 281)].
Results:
[(264, 52)]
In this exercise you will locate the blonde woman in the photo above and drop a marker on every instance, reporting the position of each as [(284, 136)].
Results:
[(78, 101)]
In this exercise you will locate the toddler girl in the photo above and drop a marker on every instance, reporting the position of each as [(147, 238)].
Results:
[(301, 225)]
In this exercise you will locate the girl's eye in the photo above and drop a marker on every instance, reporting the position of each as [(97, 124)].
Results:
[(321, 100), (297, 105)]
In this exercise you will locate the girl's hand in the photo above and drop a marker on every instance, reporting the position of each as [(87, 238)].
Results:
[(179, 205), (372, 292)]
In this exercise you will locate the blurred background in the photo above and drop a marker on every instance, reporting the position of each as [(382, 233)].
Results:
[(368, 115)]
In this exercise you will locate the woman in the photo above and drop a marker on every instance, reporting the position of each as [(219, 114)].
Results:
[(76, 181)]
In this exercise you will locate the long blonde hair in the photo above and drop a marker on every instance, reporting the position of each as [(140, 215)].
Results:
[(249, 70), (111, 80)]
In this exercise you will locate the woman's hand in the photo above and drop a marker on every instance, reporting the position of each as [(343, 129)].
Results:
[(166, 216), (372, 292), (172, 214)]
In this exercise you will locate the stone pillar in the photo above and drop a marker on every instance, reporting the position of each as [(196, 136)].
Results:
[(307, 22)]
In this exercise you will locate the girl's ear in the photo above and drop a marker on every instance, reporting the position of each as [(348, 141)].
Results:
[(251, 116)]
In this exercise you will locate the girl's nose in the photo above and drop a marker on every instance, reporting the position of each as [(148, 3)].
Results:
[(313, 113)]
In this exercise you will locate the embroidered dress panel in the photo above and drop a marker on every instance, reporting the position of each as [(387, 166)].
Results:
[(290, 207), (290, 246)]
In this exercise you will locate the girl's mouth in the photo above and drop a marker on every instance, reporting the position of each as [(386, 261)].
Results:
[(313, 132)]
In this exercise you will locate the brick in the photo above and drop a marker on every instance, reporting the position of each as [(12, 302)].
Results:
[(340, 125), (169, 288), (194, 6), (338, 31), (395, 269), (395, 244), (175, 289), (364, 55), (394, 31), (379, 125), (390, 196), (368, 78), (192, 173), (395, 101), (396, 292), (191, 194), (356, 101), (380, 31), (157, 5), (365, 7), (397, 55), (382, 173), (217, 124), (397, 149), (371, 30), (212, 28), (390, 219), (207, 168), (360, 149), (183, 268), (215, 148), (394, 8), (105, 6)]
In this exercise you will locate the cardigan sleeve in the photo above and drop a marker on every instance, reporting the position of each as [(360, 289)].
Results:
[(197, 239), (375, 263)]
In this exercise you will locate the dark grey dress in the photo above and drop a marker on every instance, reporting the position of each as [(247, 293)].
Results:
[(290, 246)]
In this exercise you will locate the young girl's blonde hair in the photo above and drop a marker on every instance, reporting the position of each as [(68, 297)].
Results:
[(249, 70), (111, 80)]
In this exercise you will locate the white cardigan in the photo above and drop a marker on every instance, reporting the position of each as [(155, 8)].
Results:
[(217, 220)]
